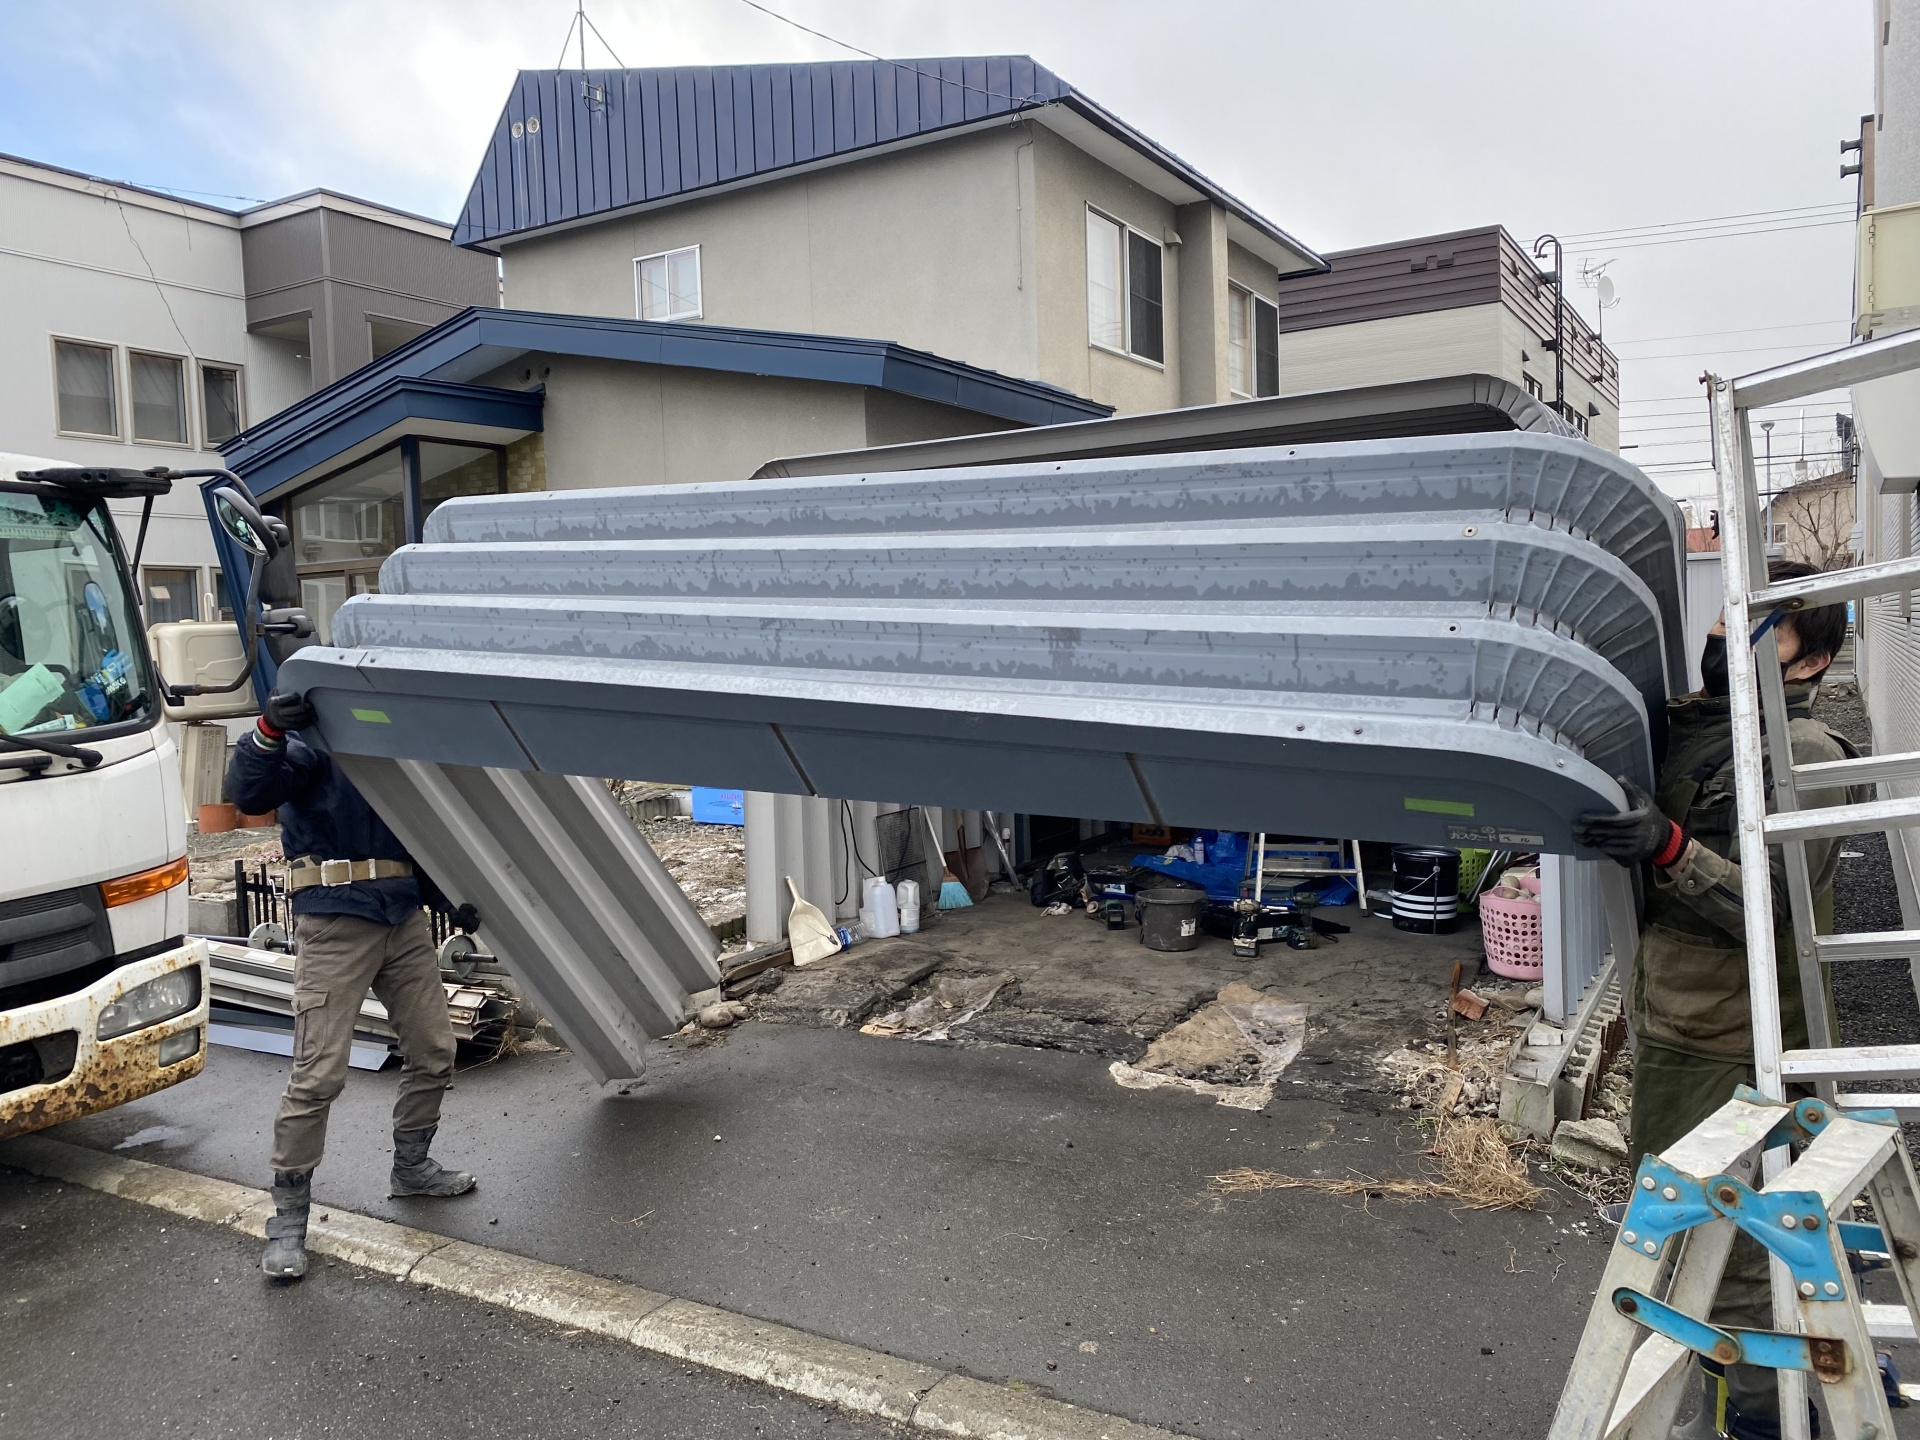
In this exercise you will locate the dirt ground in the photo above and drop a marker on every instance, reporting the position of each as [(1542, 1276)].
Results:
[(1084, 988)]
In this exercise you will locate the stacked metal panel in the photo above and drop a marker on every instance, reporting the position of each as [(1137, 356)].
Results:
[(1454, 640)]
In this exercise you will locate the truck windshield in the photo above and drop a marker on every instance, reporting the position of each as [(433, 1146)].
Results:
[(72, 655)]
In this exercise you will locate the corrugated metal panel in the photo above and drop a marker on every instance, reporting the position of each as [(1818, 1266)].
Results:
[(1469, 480), (1889, 643), (1451, 405), (1167, 700), (604, 941), (1432, 570)]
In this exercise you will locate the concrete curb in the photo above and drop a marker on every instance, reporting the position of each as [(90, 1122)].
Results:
[(847, 1377)]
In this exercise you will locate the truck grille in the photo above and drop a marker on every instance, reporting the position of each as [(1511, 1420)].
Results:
[(46, 938)]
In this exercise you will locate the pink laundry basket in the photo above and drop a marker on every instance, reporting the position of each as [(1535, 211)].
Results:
[(1511, 929)]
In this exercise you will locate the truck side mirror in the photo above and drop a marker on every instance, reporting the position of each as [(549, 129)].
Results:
[(244, 524)]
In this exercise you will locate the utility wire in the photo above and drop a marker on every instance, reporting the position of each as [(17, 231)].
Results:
[(1631, 231), (159, 289), (1017, 102), (1750, 330), (1590, 249)]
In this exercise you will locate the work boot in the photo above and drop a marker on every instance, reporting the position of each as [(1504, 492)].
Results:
[(286, 1254), (415, 1173), (1753, 1404)]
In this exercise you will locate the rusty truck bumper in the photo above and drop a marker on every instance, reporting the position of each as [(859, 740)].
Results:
[(103, 1073)]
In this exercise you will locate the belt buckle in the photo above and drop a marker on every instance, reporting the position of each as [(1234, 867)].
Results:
[(336, 872)]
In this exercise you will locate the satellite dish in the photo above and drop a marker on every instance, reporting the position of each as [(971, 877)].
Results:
[(1606, 289)]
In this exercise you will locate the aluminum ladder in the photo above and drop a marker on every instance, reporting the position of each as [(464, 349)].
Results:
[(1615, 1388), (1636, 1355)]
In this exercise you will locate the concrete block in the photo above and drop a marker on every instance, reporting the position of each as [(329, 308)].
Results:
[(532, 1287), (1589, 1144), (959, 1405), (210, 915), (792, 1360)]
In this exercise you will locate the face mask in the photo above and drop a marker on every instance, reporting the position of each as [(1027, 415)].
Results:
[(1713, 666)]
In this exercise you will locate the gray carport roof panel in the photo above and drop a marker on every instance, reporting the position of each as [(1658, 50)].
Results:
[(1543, 479), (1424, 771), (588, 920), (1451, 405), (1433, 569)]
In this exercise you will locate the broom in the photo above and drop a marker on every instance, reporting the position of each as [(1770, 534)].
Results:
[(953, 895)]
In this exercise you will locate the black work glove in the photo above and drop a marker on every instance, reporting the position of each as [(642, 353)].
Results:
[(288, 710), (466, 918), (1640, 833)]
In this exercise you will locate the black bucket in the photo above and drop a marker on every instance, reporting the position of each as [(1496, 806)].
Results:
[(1170, 919), (1426, 889)]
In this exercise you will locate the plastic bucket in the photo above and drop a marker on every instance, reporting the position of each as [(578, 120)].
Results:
[(1170, 919), (1426, 889)]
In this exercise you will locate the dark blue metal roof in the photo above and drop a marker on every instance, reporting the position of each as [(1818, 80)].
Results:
[(575, 143), (429, 377)]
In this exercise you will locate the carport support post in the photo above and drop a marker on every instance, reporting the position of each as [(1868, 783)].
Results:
[(787, 835)]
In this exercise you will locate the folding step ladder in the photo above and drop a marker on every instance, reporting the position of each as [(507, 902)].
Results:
[(1854, 1142)]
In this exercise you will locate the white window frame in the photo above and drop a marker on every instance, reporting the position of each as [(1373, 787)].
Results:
[(121, 418), (699, 284), (1242, 301), (1126, 293), (207, 442), (188, 375)]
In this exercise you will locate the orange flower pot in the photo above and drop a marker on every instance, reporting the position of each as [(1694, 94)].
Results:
[(217, 819)]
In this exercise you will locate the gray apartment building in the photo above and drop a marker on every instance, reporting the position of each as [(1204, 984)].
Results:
[(140, 329)]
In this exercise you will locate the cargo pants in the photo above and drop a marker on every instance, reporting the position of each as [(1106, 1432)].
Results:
[(337, 958)]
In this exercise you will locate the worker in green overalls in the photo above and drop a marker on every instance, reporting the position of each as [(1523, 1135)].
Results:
[(1687, 998)]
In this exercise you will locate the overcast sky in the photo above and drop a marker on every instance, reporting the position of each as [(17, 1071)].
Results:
[(1347, 122)]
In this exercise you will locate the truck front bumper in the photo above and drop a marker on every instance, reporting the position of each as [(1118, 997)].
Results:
[(104, 1073)]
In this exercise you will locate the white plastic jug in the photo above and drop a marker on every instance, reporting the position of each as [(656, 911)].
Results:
[(906, 897), (886, 915)]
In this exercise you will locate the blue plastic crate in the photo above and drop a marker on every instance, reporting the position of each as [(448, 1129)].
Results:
[(719, 807)]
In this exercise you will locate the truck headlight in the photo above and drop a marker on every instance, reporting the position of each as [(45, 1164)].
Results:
[(172, 994), (176, 1048)]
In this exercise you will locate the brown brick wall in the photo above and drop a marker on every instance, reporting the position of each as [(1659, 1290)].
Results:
[(527, 463)]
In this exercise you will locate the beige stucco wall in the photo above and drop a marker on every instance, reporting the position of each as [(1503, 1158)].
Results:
[(1515, 336), (923, 247), (609, 422), (613, 423), (1489, 339), (1067, 181), (973, 248), (1399, 347)]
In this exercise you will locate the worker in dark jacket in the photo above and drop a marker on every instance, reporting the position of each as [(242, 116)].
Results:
[(358, 922), (1688, 998)]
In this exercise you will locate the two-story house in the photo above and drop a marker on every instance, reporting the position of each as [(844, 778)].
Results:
[(981, 208)]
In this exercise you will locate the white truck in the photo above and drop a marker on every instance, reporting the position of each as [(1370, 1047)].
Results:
[(102, 996)]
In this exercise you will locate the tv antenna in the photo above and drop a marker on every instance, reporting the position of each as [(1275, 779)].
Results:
[(581, 24), (1593, 276)]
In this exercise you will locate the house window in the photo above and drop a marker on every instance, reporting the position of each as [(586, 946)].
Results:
[(668, 284), (1253, 344), (1126, 306), (1534, 387), (159, 386), (450, 470), (170, 594), (1576, 419), (87, 401), (220, 403)]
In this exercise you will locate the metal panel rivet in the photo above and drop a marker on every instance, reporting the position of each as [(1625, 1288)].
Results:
[(1806, 1288), (1832, 1287), (1812, 1222), (1670, 1193), (1787, 1222), (1627, 1237), (1651, 1247), (1646, 1182)]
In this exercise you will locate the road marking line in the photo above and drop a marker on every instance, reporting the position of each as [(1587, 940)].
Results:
[(848, 1377)]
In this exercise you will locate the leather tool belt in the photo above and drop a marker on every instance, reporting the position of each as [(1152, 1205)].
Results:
[(309, 870)]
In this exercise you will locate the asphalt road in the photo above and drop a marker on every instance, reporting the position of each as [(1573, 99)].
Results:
[(1013, 1214), (120, 1320)]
